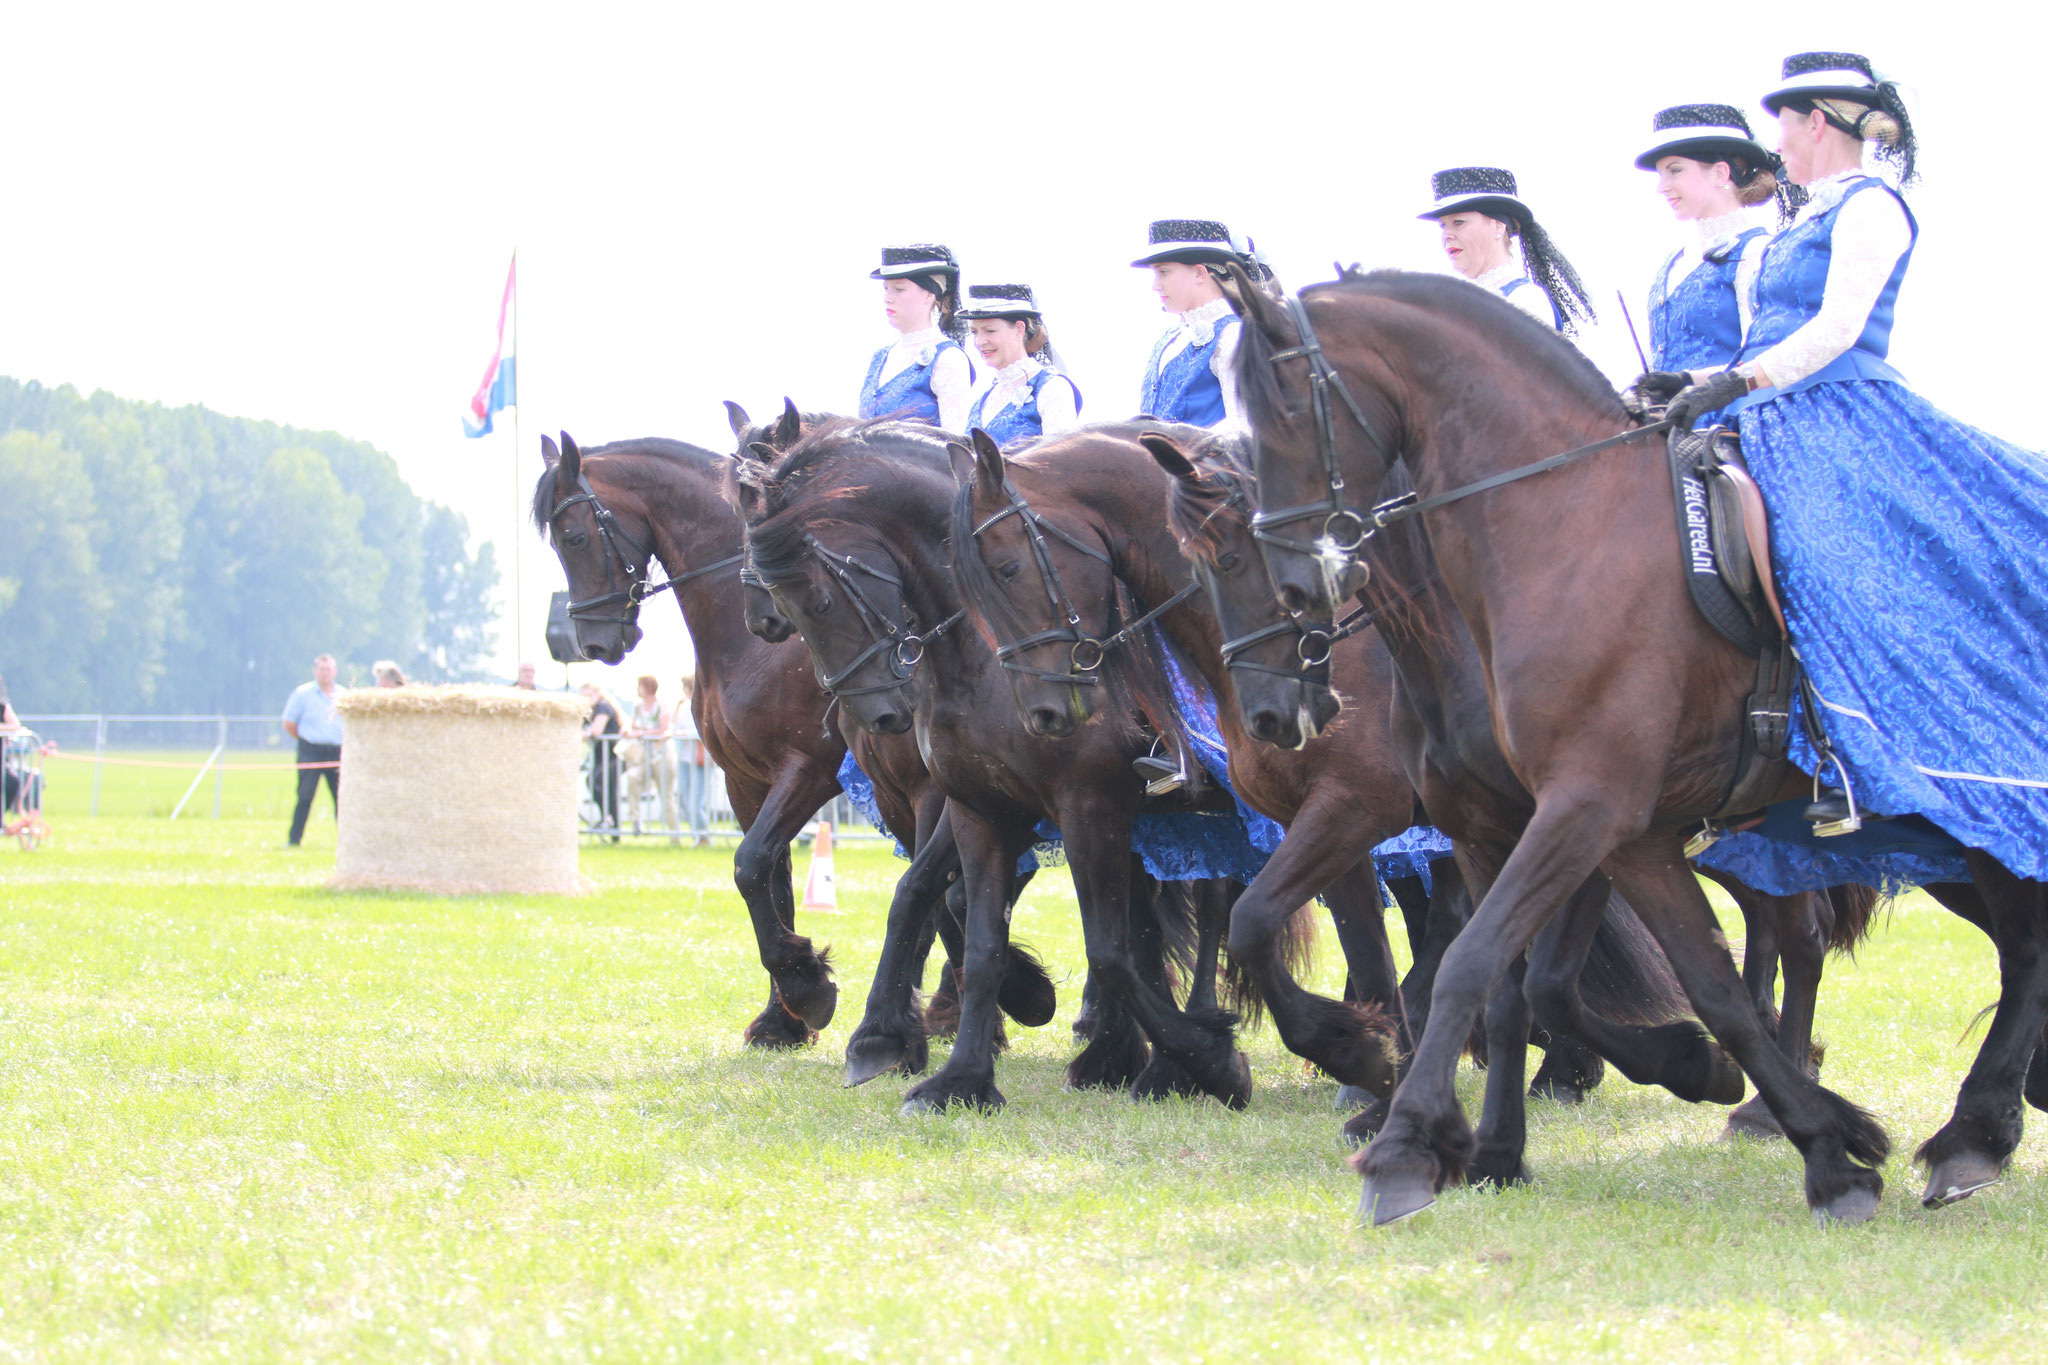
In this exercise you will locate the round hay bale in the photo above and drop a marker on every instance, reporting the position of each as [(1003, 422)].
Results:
[(459, 789)]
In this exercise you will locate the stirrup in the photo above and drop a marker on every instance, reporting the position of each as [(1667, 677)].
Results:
[(1836, 813), (1704, 838), (1161, 775)]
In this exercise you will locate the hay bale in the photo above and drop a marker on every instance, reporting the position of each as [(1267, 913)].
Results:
[(459, 789)]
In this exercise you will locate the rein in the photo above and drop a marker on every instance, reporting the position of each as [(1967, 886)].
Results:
[(637, 589), (1312, 643), (1085, 652), (905, 647), (1358, 527)]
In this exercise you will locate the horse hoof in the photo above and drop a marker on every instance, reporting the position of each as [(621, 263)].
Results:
[(1560, 1092), (1726, 1084), (776, 1029), (1959, 1177), (1365, 1125), (932, 1097), (1393, 1198), (865, 1063), (1753, 1120), (1858, 1205), (816, 1004), (1351, 1097)]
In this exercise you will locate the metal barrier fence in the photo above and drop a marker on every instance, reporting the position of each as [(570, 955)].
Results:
[(192, 750)]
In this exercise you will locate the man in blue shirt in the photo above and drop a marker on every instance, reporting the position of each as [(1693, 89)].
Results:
[(309, 718)]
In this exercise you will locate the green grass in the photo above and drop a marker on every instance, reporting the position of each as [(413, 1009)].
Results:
[(246, 1119)]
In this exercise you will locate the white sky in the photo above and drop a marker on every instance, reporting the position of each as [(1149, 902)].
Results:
[(304, 214)]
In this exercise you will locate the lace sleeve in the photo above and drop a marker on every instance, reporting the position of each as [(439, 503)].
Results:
[(953, 386), (1057, 410), (1869, 237)]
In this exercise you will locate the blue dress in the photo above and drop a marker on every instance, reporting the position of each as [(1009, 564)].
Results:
[(1016, 424), (908, 394), (1186, 388), (1911, 553), (1698, 326)]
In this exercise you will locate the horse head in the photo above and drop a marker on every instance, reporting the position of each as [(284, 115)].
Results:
[(1279, 665), (1040, 581), (600, 533), (761, 444)]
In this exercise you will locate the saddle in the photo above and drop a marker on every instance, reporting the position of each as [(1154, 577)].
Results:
[(1724, 544)]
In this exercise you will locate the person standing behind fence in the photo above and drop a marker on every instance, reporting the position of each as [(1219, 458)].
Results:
[(649, 724), (693, 767), (603, 733), (309, 718)]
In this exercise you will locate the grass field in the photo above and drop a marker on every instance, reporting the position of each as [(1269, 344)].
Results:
[(250, 1119)]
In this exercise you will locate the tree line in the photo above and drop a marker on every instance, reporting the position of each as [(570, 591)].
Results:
[(178, 560)]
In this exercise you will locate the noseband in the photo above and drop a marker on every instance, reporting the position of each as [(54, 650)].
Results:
[(1312, 644), (1085, 652), (905, 647), (637, 589)]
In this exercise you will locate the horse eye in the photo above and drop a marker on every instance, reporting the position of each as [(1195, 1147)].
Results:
[(1228, 561), (1009, 571), (577, 540), (823, 605)]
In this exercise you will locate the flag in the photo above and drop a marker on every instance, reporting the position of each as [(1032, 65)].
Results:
[(500, 389)]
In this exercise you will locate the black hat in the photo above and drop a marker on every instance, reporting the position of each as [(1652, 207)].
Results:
[(1000, 301), (1824, 75), (1703, 132), (1191, 241), (1478, 189), (925, 258)]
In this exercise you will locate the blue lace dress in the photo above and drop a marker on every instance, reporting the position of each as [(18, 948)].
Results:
[(1018, 422), (907, 394), (1186, 387), (1911, 553)]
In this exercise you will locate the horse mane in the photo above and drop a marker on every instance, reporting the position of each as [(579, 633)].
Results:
[(835, 448), (1561, 366), (659, 447)]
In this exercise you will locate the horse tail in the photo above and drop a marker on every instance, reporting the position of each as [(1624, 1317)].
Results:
[(1296, 948), (1172, 912), (1854, 906), (1627, 978)]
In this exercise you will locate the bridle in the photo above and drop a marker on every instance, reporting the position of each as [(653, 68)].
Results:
[(1312, 643), (1338, 515), (1085, 652), (904, 646), (618, 563)]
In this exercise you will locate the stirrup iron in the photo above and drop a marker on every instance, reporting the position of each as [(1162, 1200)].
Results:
[(1848, 824)]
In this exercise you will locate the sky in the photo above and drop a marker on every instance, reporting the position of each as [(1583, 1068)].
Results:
[(304, 214)]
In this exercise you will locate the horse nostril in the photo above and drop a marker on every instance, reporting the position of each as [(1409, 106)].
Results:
[(1045, 721), (1265, 727), (1293, 599)]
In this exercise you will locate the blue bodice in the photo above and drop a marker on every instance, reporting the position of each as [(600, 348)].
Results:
[(1698, 325), (1021, 422), (1791, 282), (1186, 388), (1524, 282), (908, 394)]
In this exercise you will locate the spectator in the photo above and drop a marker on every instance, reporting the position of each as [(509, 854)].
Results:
[(525, 677), (18, 791), (649, 724), (9, 722), (309, 718), (387, 673), (693, 767), (603, 734)]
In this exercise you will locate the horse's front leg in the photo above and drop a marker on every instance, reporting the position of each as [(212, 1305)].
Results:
[(1200, 1046), (801, 992), (891, 1035), (1427, 1141), (988, 861)]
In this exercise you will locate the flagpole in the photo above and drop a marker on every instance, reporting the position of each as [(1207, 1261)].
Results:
[(518, 597)]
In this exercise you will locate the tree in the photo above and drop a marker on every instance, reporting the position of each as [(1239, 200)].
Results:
[(54, 625)]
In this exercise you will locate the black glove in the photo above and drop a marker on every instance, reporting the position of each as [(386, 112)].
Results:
[(1652, 391), (1717, 392)]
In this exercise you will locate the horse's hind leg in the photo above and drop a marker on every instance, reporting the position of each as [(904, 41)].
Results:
[(1449, 906), (1798, 936), (1971, 1150), (1503, 1133), (1842, 1145)]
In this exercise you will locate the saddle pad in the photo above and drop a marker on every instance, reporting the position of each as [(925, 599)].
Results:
[(1717, 602)]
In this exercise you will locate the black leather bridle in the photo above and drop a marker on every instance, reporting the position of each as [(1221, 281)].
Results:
[(1085, 652), (618, 563), (904, 645), (1312, 643)]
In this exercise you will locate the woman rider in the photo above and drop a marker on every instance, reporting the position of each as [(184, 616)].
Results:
[(1026, 395), (1709, 167), (1482, 219), (1911, 550), (1189, 377), (924, 374)]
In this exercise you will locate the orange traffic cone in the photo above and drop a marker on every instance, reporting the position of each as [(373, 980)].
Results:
[(821, 887)]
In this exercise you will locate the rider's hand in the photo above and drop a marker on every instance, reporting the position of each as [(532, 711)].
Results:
[(1652, 391), (1716, 391)]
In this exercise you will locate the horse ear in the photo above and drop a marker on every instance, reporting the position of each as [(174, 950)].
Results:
[(1256, 306), (790, 426), (1169, 457), (737, 415), (549, 451), (570, 466), (760, 452), (988, 462)]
